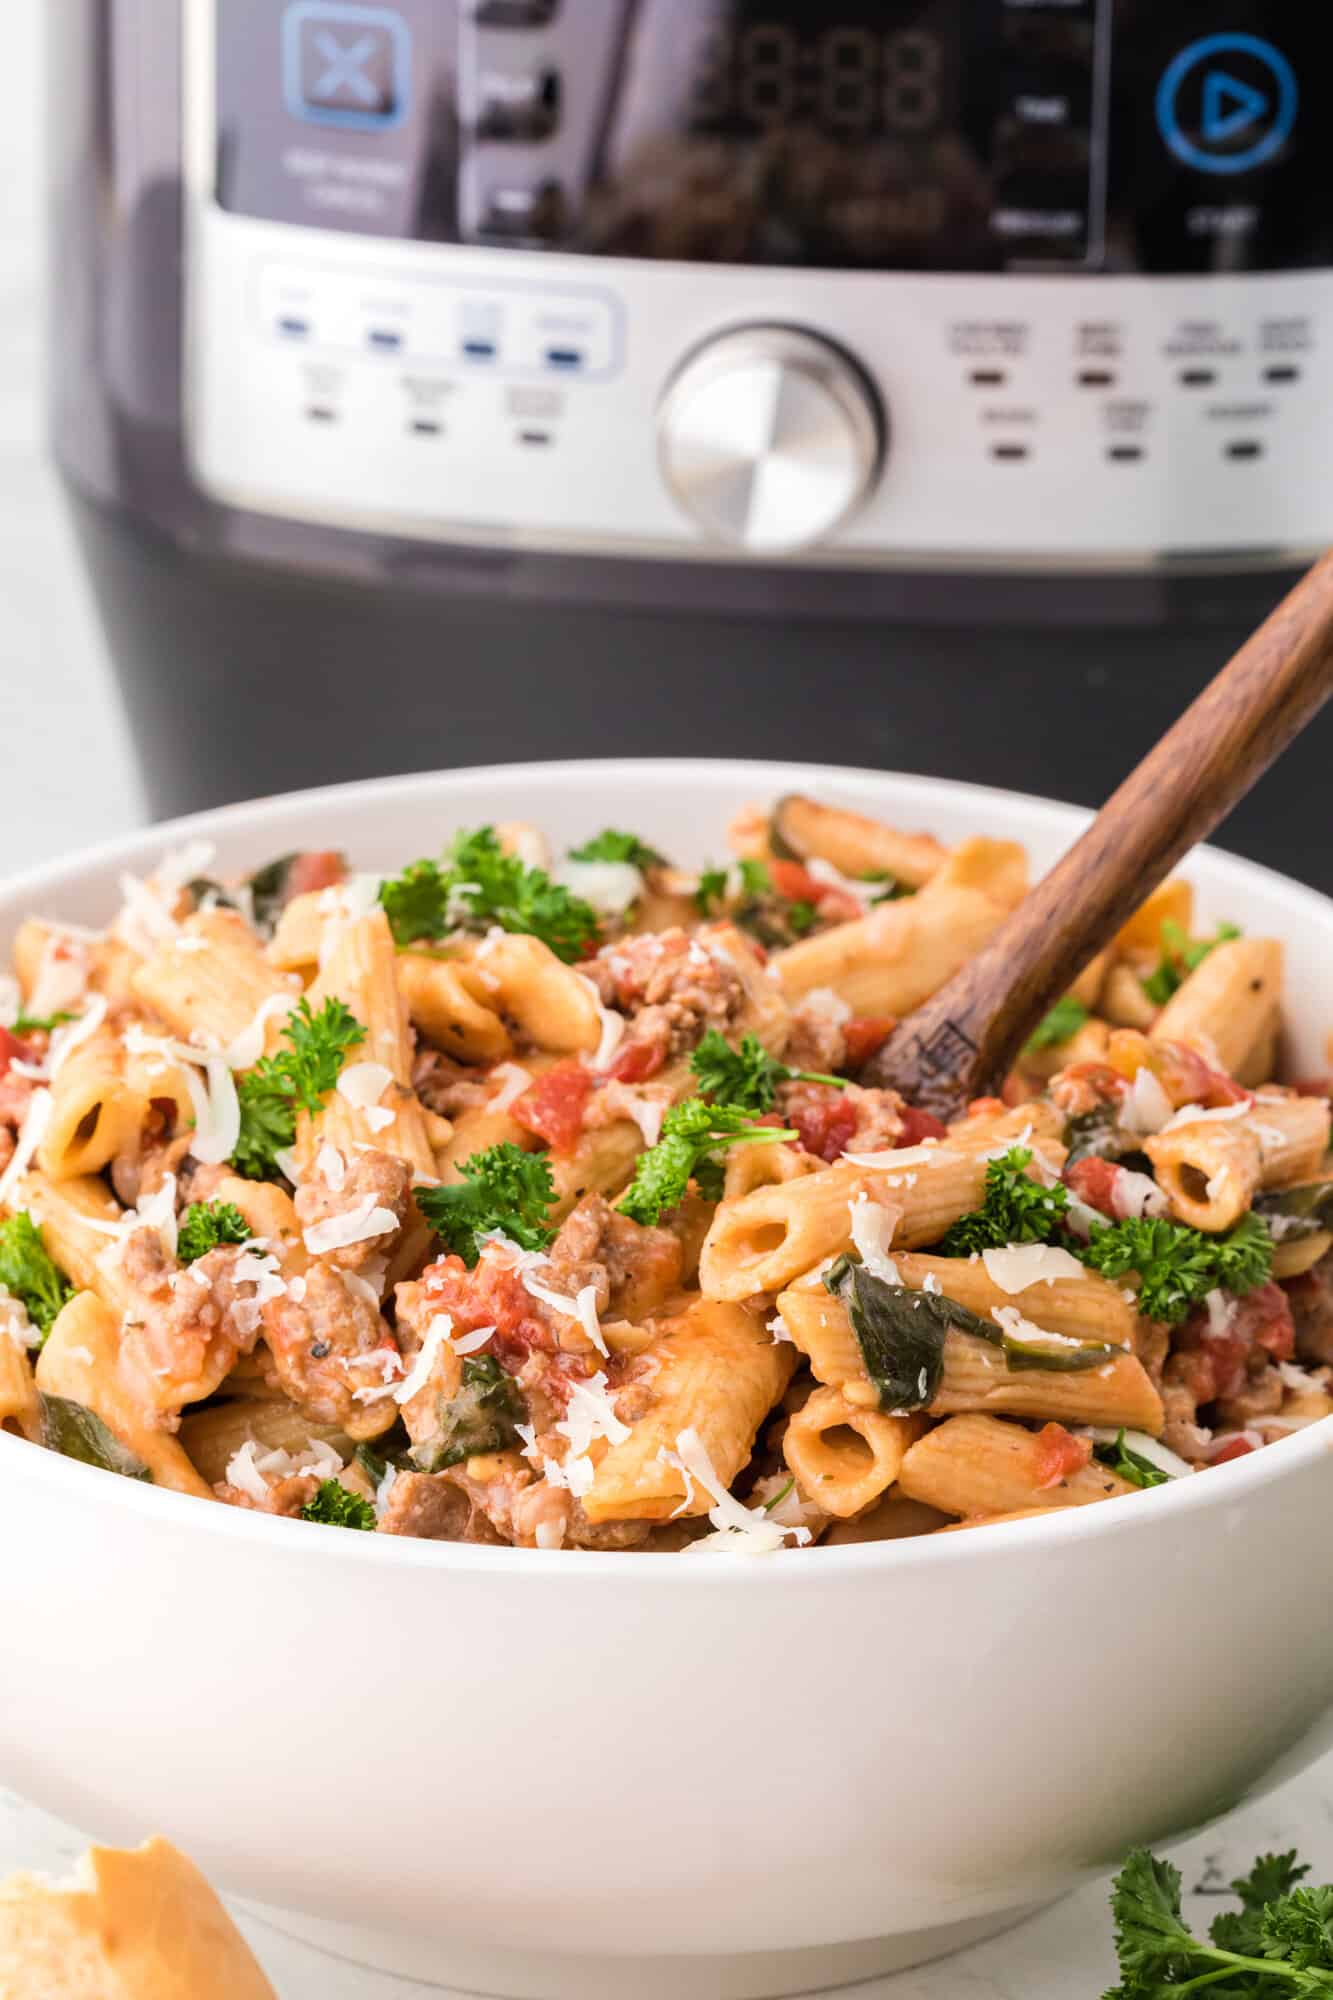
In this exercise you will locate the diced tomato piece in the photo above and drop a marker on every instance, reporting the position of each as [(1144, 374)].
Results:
[(823, 1118), (796, 884), (837, 906), (1232, 1447), (1188, 1079), (1093, 1181), (12, 1049), (553, 1107), (1313, 1086), (1263, 1319), (919, 1125), (637, 1061), (491, 1295), (985, 1107), (1059, 1455), (864, 1034), (318, 868)]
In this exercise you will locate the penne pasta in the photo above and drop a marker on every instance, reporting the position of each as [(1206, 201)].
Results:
[(846, 1457), (981, 1465), (1228, 1005), (209, 983)]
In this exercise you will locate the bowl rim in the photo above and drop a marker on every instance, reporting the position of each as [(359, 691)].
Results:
[(1232, 1482)]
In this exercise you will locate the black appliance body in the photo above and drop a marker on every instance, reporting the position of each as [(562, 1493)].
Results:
[(934, 384)]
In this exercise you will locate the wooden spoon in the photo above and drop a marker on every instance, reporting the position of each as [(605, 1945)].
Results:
[(961, 1043)]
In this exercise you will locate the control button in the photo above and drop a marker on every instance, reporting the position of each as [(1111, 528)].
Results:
[(346, 66), (523, 215), (515, 13), (1227, 103), (770, 438), (522, 109)]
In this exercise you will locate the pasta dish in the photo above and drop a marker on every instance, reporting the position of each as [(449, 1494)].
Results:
[(548, 1200)]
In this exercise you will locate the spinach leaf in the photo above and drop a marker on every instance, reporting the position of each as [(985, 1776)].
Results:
[(900, 1332), (1054, 1356), (482, 1417), (77, 1432), (1296, 1212), (268, 888)]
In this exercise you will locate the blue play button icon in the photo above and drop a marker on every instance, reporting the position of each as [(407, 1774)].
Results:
[(1229, 107), (1227, 103)]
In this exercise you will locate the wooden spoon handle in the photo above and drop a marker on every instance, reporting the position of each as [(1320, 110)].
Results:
[(964, 1038)]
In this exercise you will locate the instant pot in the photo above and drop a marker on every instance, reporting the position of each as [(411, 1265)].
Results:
[(934, 383)]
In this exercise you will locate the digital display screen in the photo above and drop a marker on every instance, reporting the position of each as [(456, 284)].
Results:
[(927, 135)]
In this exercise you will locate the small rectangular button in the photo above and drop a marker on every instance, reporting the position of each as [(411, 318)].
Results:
[(520, 109), (525, 214), (347, 66), (515, 13)]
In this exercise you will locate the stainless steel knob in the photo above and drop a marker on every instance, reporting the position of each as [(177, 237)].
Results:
[(769, 437)]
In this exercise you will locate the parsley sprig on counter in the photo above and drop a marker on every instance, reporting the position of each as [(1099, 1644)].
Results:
[(208, 1225), (296, 1078), (29, 1273), (478, 885), (502, 1188), (747, 1076), (1277, 1946), (692, 1132)]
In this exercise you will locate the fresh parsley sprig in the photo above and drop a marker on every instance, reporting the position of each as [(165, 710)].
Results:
[(39, 1024), (297, 1078), (1014, 1209), (748, 1076), (503, 1188), (612, 845), (1178, 1266), (1128, 1464), (30, 1274), (478, 885), (337, 1508), (1180, 957), (1063, 1022), (692, 1132), (208, 1225), (1277, 1946)]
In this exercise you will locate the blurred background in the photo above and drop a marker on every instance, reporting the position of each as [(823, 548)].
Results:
[(914, 384)]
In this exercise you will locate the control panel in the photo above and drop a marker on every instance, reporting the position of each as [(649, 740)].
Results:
[(919, 282)]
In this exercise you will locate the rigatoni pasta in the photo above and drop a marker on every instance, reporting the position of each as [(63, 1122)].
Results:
[(553, 1203)]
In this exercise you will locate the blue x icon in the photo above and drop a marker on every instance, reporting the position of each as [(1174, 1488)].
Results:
[(346, 65)]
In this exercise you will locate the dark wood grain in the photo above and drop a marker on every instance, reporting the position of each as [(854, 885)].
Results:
[(961, 1043)]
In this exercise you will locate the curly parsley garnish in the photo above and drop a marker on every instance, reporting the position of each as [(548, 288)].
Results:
[(612, 845), (297, 1078), (337, 1508), (38, 1024), (29, 1273), (208, 1225), (478, 885), (1179, 1266), (1180, 957), (1128, 1464), (692, 1133), (1014, 1209), (503, 1188), (1279, 1943), (748, 1076)]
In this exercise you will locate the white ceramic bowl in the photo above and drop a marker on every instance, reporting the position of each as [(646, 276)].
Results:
[(517, 1770)]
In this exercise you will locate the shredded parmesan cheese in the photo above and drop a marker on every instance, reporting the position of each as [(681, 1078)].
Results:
[(872, 1232), (513, 1080), (358, 1224), (747, 1531), (612, 1025), (244, 1052), (1012, 1322), (612, 887), (362, 1085), (1146, 1107), (1019, 1265), (29, 1139), (65, 1040), (437, 1336), (928, 1154)]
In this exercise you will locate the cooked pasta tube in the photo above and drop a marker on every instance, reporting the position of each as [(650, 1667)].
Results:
[(554, 1006), (361, 970), (211, 980), (852, 842), (1124, 1002), (449, 1002), (601, 1163), (80, 1362), (1228, 1006), (299, 933), (20, 1411), (57, 968), (750, 1167), (212, 1436), (96, 1112), (891, 1519), (76, 1217), (977, 1377), (983, 1465), (1301, 1253), (1172, 902), (843, 1456), (1208, 1172), (996, 1520), (718, 1373), (1211, 1168), (765, 1239), (889, 961)]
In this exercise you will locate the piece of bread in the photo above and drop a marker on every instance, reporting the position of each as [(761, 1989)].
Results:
[(134, 1925)]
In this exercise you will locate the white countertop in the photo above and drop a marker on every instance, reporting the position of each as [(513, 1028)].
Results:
[(66, 780)]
